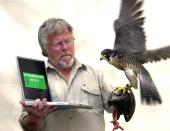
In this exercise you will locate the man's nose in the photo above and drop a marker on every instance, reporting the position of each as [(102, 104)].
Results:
[(64, 46)]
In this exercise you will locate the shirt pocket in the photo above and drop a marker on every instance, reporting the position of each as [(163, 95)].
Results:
[(91, 95)]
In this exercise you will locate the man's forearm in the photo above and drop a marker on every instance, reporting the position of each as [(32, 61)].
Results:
[(32, 124)]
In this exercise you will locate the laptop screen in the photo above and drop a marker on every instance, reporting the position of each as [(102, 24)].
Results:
[(33, 78)]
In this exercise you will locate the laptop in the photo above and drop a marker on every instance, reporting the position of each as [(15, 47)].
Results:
[(34, 83)]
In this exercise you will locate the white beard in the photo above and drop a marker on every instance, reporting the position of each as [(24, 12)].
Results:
[(66, 65)]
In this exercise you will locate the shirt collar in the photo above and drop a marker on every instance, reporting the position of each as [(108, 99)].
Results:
[(76, 65)]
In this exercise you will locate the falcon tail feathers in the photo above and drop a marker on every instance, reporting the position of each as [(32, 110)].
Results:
[(148, 90)]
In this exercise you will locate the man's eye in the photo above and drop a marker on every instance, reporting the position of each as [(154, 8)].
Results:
[(58, 43), (68, 40)]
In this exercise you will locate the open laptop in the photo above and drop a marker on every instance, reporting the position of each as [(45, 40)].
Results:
[(34, 83)]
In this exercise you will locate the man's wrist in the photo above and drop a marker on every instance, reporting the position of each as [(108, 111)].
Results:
[(33, 123)]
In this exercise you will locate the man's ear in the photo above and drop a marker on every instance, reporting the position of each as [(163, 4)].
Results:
[(73, 36)]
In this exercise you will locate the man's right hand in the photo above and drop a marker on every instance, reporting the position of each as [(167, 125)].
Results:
[(39, 109), (36, 114)]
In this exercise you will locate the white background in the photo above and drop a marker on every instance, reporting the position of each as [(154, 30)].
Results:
[(92, 21)]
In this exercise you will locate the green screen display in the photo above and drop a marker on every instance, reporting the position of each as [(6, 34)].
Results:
[(34, 80)]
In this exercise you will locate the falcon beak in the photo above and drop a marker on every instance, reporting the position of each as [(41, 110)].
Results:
[(102, 58)]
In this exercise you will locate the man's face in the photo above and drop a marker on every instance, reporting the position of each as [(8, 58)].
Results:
[(61, 49)]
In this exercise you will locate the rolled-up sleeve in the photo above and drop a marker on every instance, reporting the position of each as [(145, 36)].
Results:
[(106, 91), (23, 115)]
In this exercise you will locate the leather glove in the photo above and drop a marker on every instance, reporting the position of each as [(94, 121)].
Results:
[(124, 103)]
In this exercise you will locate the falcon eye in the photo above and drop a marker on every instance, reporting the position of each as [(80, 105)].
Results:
[(104, 55)]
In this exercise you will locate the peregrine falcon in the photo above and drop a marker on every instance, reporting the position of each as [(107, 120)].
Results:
[(129, 52)]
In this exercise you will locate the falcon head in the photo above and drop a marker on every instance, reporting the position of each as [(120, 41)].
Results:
[(106, 54)]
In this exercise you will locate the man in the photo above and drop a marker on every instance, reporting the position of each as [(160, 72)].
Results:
[(70, 81)]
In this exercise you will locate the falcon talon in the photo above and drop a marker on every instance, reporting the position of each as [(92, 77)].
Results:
[(121, 90)]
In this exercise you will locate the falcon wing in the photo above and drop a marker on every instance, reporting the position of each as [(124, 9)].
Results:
[(153, 55), (130, 37)]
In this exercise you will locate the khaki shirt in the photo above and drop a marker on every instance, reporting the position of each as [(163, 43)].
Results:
[(85, 86)]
